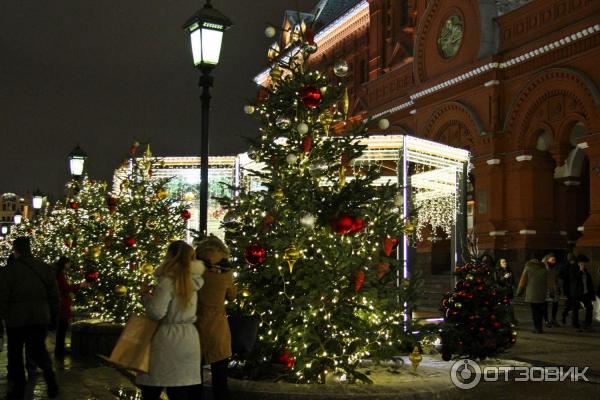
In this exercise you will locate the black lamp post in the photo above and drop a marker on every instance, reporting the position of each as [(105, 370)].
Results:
[(77, 162), (206, 29)]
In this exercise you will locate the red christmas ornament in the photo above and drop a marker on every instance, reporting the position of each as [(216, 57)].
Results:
[(286, 359), (186, 214), (91, 277), (388, 245), (382, 268), (309, 35), (310, 96), (73, 205), (129, 241), (481, 329), (262, 94), (497, 325), (359, 280), (306, 144), (342, 224), (358, 225), (255, 254)]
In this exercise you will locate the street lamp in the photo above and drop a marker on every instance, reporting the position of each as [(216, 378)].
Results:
[(18, 217), (37, 199), (77, 161), (206, 29), (4, 230)]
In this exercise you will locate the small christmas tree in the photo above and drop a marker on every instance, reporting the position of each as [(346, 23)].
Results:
[(114, 238), (314, 250), (476, 320)]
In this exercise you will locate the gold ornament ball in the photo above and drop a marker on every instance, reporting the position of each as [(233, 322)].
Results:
[(189, 196), (340, 68), (120, 290), (162, 193), (469, 277), (409, 227), (279, 195), (270, 31), (383, 123), (405, 283), (96, 251), (100, 297), (119, 260), (248, 109), (245, 293), (147, 268)]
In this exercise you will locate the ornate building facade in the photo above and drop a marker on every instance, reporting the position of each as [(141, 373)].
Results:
[(516, 82)]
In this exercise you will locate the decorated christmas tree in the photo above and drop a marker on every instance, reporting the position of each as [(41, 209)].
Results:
[(477, 323), (314, 245), (114, 237)]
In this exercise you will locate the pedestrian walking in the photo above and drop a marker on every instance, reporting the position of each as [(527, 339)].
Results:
[(563, 276), (212, 323), (552, 291), (533, 282), (66, 290), (505, 280), (175, 347), (582, 292), (29, 305)]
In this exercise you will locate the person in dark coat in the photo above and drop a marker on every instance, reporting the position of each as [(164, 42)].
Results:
[(582, 291), (505, 279), (563, 277), (553, 290), (66, 289), (28, 303)]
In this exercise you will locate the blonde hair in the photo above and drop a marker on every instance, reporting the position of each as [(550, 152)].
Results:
[(211, 245), (177, 265)]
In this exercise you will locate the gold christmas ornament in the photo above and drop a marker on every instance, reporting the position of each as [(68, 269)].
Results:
[(152, 224), (162, 193), (409, 227), (100, 297), (245, 293), (291, 255), (147, 268), (346, 103), (120, 290), (279, 195), (120, 260), (326, 119), (415, 358), (96, 251), (189, 196), (276, 74), (273, 52)]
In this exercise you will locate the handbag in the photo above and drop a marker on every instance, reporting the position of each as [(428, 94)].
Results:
[(132, 350), (244, 330)]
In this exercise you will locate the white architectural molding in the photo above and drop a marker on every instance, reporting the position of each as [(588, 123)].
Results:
[(413, 112), (572, 183), (491, 83), (524, 157), (580, 229), (527, 232), (493, 161), (497, 233)]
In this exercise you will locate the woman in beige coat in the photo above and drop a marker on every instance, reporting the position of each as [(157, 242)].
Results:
[(213, 326)]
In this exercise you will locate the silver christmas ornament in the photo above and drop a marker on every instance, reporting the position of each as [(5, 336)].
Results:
[(270, 31), (291, 159), (308, 220), (283, 122), (384, 123), (302, 128), (340, 68)]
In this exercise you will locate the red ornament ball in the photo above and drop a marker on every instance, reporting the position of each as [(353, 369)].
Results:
[(306, 144), (358, 225), (129, 241), (91, 277), (186, 214), (310, 96), (497, 325), (73, 205), (342, 224), (255, 254)]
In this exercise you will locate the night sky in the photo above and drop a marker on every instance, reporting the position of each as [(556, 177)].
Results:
[(104, 73)]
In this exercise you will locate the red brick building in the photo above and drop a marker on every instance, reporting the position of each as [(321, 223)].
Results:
[(514, 81)]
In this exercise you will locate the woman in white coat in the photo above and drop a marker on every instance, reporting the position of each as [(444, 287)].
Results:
[(175, 348)]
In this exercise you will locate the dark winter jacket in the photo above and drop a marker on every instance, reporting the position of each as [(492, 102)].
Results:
[(534, 281), (506, 280), (28, 293), (576, 284), (563, 275)]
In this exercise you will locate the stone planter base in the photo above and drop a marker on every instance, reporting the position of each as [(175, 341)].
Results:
[(92, 337)]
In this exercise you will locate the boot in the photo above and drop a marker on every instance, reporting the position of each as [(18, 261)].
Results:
[(51, 384)]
